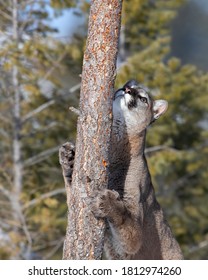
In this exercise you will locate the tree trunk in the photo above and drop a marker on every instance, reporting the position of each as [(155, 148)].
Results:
[(85, 234)]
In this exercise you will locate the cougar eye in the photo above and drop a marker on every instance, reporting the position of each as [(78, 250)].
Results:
[(143, 99)]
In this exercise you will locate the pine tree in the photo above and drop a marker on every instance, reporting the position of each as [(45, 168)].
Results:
[(31, 113), (85, 234), (177, 146)]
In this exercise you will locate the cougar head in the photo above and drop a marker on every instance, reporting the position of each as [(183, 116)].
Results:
[(134, 106)]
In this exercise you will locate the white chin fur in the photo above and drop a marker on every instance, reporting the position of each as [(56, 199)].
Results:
[(120, 104), (122, 112)]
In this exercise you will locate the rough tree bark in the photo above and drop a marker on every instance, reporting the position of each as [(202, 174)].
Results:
[(85, 234)]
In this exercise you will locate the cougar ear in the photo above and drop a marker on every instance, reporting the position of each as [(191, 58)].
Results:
[(159, 108)]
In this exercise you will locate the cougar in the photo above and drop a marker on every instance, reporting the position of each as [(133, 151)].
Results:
[(136, 225)]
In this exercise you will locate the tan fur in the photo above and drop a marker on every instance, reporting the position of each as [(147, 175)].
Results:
[(137, 228)]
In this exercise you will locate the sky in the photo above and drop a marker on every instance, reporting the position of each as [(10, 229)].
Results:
[(67, 23)]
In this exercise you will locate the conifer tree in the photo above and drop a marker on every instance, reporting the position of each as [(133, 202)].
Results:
[(31, 106), (177, 145)]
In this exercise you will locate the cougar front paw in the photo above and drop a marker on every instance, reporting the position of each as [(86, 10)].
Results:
[(66, 159), (104, 202)]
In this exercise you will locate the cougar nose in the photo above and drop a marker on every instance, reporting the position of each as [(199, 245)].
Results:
[(127, 90)]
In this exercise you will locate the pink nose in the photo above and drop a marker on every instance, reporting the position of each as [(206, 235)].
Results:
[(127, 90)]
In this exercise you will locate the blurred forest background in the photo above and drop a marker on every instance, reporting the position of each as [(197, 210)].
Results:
[(163, 45)]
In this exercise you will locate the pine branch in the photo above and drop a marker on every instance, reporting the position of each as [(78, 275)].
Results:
[(55, 65), (42, 129), (51, 253), (5, 192), (4, 224), (29, 4), (38, 110), (42, 197), (4, 119), (181, 182), (198, 247), (159, 148), (48, 104), (4, 133), (40, 157), (24, 4), (7, 6), (75, 110), (5, 15), (75, 88)]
